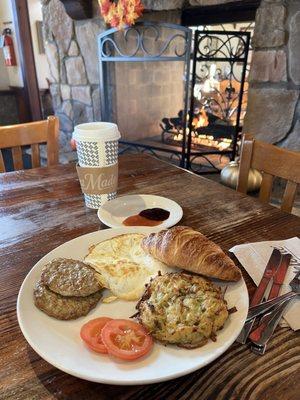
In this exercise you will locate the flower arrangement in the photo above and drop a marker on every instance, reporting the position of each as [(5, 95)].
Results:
[(118, 13)]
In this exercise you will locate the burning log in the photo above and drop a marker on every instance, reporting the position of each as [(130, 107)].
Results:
[(205, 131)]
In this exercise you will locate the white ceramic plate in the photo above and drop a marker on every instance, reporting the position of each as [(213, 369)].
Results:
[(58, 342), (113, 212)]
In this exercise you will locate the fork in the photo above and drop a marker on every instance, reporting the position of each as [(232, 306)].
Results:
[(274, 316), (255, 311)]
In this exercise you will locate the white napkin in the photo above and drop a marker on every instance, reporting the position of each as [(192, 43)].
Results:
[(254, 258)]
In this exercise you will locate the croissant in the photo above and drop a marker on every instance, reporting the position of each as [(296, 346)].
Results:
[(188, 249)]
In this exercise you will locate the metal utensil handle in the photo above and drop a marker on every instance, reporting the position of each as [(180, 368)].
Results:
[(263, 328), (269, 271), (255, 300), (255, 311), (274, 317), (274, 292)]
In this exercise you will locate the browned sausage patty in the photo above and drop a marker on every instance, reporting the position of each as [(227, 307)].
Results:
[(61, 307), (70, 277)]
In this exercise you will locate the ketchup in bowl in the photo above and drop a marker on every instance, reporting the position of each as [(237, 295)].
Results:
[(148, 217)]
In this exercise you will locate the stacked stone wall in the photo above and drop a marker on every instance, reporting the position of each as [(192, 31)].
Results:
[(273, 112), (71, 49)]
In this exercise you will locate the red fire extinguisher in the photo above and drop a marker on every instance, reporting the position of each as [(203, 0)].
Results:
[(8, 48)]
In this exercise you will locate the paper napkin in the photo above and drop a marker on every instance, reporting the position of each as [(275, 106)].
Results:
[(254, 258)]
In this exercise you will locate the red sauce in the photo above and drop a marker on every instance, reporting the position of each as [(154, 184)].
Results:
[(148, 217), (137, 220), (157, 214)]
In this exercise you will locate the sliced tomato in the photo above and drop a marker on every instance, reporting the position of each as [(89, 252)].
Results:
[(90, 333), (126, 339)]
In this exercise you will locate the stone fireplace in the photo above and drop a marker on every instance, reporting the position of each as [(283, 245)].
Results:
[(273, 112)]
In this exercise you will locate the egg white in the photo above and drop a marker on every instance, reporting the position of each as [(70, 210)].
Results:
[(123, 266)]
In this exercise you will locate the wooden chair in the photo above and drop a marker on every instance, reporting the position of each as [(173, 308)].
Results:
[(32, 133), (271, 161)]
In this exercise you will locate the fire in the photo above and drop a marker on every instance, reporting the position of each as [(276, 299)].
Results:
[(201, 119), (206, 140), (178, 137), (209, 140)]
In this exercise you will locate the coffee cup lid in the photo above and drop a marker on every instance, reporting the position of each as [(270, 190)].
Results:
[(96, 131)]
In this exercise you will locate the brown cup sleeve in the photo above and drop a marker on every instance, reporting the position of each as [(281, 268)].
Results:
[(98, 180)]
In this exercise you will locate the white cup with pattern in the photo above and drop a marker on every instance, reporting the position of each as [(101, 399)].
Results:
[(97, 149)]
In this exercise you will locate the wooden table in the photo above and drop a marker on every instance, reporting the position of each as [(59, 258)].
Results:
[(42, 208)]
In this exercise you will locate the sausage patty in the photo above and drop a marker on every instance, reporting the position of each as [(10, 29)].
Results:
[(62, 307), (182, 309), (70, 277)]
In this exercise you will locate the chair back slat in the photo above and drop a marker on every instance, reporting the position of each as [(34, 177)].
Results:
[(271, 161), (17, 157), (2, 165), (23, 134), (35, 155), (33, 134), (52, 144), (289, 196), (276, 161), (266, 188)]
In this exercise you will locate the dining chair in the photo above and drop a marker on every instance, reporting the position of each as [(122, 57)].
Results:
[(271, 161), (33, 134)]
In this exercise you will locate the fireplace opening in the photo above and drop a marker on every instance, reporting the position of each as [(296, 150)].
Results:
[(148, 99)]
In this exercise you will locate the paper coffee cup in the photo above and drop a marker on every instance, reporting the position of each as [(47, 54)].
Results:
[(97, 149)]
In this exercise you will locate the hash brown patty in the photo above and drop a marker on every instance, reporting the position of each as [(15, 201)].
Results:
[(70, 277), (182, 309), (62, 307)]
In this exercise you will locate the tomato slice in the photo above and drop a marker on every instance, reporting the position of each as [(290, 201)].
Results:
[(90, 333), (126, 339)]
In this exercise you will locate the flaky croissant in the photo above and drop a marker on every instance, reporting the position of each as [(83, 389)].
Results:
[(188, 249)]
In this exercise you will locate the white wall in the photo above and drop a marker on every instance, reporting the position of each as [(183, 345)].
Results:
[(41, 63), (13, 75), (4, 80)]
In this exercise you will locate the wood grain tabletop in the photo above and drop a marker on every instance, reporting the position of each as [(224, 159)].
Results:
[(43, 208)]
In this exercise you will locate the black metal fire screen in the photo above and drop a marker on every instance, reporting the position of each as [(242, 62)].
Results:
[(218, 95), (172, 46)]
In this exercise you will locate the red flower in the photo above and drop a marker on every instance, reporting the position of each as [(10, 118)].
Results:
[(124, 12), (115, 21), (104, 7), (139, 8)]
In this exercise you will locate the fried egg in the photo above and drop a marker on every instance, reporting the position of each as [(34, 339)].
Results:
[(123, 266)]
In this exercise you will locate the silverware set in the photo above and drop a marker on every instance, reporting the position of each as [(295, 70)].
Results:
[(273, 308)]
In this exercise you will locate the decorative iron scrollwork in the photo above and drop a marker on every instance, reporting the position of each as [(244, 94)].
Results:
[(110, 48), (222, 45)]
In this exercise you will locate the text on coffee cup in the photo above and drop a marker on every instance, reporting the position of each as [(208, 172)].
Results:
[(100, 180)]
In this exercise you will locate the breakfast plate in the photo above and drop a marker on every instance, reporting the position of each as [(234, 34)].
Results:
[(114, 212), (59, 342)]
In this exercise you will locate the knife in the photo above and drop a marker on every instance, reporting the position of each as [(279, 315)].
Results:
[(260, 332), (274, 317), (269, 272)]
